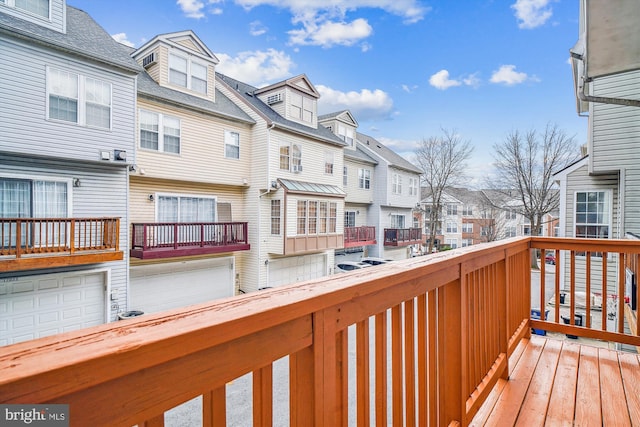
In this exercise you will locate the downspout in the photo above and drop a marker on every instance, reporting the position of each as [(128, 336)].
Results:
[(269, 188)]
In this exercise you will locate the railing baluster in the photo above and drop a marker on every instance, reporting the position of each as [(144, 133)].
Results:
[(381, 369), (362, 373), (605, 292), (588, 288), (263, 397), (621, 291)]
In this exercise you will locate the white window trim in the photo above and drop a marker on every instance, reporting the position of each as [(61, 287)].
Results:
[(12, 4), (609, 200), (82, 101), (362, 180), (228, 132), (68, 181), (329, 159), (190, 59), (157, 196), (160, 133)]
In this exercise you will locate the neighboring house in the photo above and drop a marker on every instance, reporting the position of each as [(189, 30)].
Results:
[(68, 141), (193, 170), (395, 197), (600, 193), (358, 184), (295, 197)]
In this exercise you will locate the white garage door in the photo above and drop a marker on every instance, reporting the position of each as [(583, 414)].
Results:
[(37, 306), (160, 287), (297, 269)]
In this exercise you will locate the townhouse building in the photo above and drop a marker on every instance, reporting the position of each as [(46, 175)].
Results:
[(599, 194), (189, 227), (68, 141)]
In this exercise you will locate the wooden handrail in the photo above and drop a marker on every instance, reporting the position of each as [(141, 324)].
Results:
[(148, 236), (446, 322)]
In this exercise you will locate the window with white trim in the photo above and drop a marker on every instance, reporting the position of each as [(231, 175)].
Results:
[(345, 176), (467, 242), (397, 221), (452, 243), (452, 227), (179, 208), (467, 227), (350, 218), (78, 99), (301, 108), (291, 157), (159, 132), (36, 7), (467, 210), (364, 178), (593, 216), (275, 217), (397, 184), (302, 217), (452, 209), (510, 231), (510, 214), (231, 144), (413, 186), (187, 73), (346, 134), (328, 162)]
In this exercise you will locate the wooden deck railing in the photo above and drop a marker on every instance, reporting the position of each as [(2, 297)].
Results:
[(402, 236), (359, 236), (414, 342), (161, 240)]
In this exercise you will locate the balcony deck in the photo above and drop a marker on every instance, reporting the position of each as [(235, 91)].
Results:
[(439, 340), (558, 382)]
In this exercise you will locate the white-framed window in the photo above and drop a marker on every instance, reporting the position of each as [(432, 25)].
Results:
[(413, 186), (78, 99), (467, 242), (231, 144), (510, 214), (291, 157), (313, 216), (350, 218), (593, 214), (397, 221), (275, 217), (185, 208), (452, 209), (301, 108), (484, 231), (397, 184), (467, 227), (29, 197), (452, 227), (302, 217), (364, 178), (159, 132), (452, 243), (510, 231), (345, 176), (187, 73), (467, 210), (328, 162), (346, 134), (40, 8)]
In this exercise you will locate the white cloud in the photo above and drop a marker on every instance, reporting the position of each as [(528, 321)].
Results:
[(122, 38), (411, 10), (257, 29), (532, 13), (441, 80), (365, 105), (471, 80), (327, 34), (508, 75), (191, 8), (408, 88), (257, 67)]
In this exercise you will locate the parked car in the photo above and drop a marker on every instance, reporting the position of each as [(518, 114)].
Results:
[(550, 259), (350, 266), (375, 260)]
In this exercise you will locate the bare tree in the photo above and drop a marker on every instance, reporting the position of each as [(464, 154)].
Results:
[(525, 164), (443, 163)]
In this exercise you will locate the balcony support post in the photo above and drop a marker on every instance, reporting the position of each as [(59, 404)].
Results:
[(450, 335)]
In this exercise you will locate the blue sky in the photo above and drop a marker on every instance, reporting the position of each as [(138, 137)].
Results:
[(405, 68)]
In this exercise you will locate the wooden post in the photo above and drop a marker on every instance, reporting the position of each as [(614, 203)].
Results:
[(449, 354)]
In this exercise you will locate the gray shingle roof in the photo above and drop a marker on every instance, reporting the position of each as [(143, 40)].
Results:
[(359, 154), (246, 91), (84, 38), (222, 107), (389, 155)]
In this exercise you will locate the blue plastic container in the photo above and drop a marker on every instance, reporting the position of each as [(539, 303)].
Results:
[(535, 314)]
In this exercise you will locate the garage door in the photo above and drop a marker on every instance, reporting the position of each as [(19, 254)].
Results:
[(37, 306), (297, 269), (160, 287)]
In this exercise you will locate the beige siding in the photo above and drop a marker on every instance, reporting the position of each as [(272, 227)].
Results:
[(189, 44), (201, 157)]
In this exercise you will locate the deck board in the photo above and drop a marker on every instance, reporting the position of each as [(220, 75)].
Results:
[(556, 382)]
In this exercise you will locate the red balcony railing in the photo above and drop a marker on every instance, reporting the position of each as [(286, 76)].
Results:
[(359, 236), (402, 236), (29, 243), (421, 341), (165, 240)]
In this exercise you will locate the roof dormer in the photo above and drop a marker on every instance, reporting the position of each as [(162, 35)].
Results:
[(180, 61), (46, 13), (295, 99), (343, 125)]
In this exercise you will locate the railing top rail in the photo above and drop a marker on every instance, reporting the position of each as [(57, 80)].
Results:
[(148, 340), (154, 224), (582, 245), (101, 218)]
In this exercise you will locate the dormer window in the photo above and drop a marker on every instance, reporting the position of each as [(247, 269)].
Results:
[(187, 73), (346, 134), (301, 108), (37, 7)]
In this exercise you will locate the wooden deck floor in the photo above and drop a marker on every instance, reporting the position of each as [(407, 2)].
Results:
[(556, 382)]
